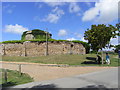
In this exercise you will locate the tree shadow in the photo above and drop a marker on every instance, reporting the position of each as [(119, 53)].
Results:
[(92, 60), (96, 87), (89, 62), (8, 84), (44, 87)]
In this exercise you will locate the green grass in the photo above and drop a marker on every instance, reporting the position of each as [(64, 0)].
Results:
[(62, 59), (14, 78)]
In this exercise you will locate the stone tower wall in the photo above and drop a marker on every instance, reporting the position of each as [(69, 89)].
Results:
[(39, 48)]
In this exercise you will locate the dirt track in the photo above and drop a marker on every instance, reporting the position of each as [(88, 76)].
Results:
[(40, 73)]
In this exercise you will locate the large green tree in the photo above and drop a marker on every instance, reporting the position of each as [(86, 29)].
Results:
[(117, 47), (99, 35)]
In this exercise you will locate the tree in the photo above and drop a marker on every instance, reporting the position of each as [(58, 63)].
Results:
[(99, 36), (117, 47)]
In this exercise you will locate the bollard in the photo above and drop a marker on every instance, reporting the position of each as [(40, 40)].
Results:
[(5, 75), (20, 69)]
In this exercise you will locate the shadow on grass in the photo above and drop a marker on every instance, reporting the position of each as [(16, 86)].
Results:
[(89, 62), (92, 60), (8, 84)]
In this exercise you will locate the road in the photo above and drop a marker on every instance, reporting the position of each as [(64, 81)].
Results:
[(107, 78), (40, 72)]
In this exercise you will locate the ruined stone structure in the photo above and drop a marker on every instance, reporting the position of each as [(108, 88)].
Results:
[(35, 34), (39, 48), (29, 36)]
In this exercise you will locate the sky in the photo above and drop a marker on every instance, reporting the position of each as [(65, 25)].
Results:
[(64, 20)]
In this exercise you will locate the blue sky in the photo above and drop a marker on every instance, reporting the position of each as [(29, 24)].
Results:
[(66, 21)]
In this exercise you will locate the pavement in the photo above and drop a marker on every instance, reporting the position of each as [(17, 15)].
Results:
[(107, 78)]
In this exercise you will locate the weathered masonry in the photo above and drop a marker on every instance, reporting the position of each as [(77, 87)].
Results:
[(39, 48)]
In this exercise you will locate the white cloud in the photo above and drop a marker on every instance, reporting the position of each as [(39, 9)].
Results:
[(78, 35), (58, 11), (8, 8), (54, 16), (108, 49), (38, 4), (79, 14), (54, 4), (71, 39), (82, 39), (114, 41), (36, 18), (119, 40), (104, 11), (17, 29), (74, 8), (58, 1), (9, 11), (88, 4), (90, 14), (62, 32)]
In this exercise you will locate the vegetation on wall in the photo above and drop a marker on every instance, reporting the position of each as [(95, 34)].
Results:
[(13, 41), (38, 34)]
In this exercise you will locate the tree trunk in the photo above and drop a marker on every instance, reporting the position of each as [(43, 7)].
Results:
[(102, 56)]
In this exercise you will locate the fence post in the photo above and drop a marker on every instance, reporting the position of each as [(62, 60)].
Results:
[(5, 75), (20, 69)]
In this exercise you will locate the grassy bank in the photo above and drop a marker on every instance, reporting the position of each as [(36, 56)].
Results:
[(84, 60), (14, 78)]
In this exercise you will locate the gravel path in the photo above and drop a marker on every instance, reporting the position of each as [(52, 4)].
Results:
[(42, 72)]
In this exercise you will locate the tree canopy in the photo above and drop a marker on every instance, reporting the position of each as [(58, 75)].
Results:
[(117, 47), (99, 35)]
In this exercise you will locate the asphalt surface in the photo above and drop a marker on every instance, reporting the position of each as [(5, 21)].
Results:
[(102, 79)]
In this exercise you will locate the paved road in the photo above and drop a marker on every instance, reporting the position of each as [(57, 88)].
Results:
[(102, 79)]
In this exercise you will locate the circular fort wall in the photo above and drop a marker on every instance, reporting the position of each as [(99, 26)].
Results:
[(39, 48)]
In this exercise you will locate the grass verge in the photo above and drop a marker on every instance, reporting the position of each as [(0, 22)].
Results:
[(14, 78), (82, 60)]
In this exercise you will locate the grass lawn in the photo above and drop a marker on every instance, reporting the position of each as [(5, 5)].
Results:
[(82, 60), (14, 78)]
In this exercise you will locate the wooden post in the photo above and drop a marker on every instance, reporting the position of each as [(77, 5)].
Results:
[(5, 75), (46, 53), (20, 69), (25, 50)]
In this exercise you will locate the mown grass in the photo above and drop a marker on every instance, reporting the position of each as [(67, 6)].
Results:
[(63, 59), (14, 78)]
